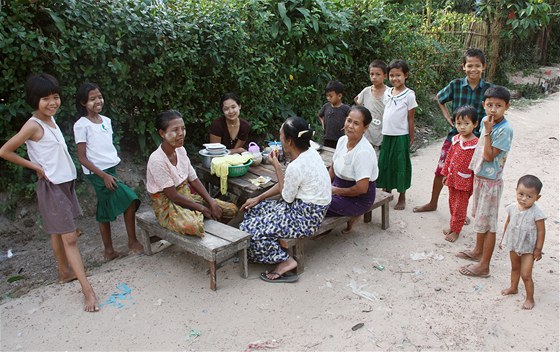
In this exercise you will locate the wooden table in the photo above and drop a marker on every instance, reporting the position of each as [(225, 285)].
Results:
[(242, 186)]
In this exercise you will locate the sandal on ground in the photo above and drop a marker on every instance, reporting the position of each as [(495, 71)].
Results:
[(280, 278), (467, 255)]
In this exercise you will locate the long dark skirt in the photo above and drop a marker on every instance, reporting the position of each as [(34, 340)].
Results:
[(351, 206)]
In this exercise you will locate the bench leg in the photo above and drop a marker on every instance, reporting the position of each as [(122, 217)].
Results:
[(385, 216), (367, 217), (244, 266), (299, 256), (212, 275), (144, 238)]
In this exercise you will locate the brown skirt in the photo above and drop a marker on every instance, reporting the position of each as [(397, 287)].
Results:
[(58, 206)]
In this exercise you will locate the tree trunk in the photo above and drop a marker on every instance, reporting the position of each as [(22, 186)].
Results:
[(496, 25)]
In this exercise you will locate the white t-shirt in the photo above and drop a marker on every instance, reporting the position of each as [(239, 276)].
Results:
[(356, 164), (161, 174), (98, 138), (395, 116), (307, 179)]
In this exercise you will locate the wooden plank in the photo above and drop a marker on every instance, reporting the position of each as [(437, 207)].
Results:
[(225, 232)]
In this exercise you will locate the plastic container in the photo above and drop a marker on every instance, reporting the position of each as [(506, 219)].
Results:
[(239, 170), (256, 152)]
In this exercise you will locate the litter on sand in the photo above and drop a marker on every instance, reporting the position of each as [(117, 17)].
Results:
[(194, 333), (262, 345), (424, 255), (116, 299), (360, 292), (357, 326)]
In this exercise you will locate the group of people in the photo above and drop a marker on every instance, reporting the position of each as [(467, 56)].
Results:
[(381, 122)]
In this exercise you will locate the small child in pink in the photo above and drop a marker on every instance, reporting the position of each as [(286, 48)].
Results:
[(457, 175)]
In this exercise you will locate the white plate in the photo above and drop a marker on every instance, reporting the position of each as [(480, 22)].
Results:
[(205, 152), (210, 146)]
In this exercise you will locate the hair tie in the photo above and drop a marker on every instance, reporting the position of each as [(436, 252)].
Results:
[(301, 133)]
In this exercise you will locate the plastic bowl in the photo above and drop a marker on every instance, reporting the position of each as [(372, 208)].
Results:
[(239, 170)]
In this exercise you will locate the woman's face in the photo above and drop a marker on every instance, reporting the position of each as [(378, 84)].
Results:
[(174, 134), (354, 125), (231, 110)]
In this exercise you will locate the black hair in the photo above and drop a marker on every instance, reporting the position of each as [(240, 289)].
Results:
[(474, 52), (400, 64), (334, 86), (163, 119), (530, 181), (39, 86), (466, 111), (379, 64), (82, 96), (498, 92), (366, 114), (299, 131), (228, 96)]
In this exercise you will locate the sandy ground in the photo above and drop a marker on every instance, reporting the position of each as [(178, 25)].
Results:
[(418, 302)]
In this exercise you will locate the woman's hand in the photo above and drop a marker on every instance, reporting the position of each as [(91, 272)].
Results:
[(109, 181), (251, 202), (216, 211), (273, 157), (206, 212)]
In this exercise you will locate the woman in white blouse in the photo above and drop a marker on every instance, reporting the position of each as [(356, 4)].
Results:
[(354, 168), (306, 194)]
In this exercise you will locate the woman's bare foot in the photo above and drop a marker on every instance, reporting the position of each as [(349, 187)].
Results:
[(509, 291), (90, 302), (282, 268), (401, 203), (425, 207), (110, 255), (136, 247), (446, 231), (350, 225), (528, 304), (66, 278), (451, 237)]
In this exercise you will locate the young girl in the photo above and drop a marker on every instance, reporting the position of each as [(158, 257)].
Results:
[(395, 168), (97, 154), (525, 236), (457, 175), (56, 174), (372, 98), (230, 129)]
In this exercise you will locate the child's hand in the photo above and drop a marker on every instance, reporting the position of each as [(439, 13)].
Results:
[(110, 182), (488, 124), (443, 180), (537, 254), (41, 174), (500, 245)]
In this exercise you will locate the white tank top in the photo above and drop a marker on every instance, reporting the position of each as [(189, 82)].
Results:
[(52, 154)]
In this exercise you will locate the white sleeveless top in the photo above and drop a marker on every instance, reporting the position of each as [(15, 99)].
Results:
[(52, 154)]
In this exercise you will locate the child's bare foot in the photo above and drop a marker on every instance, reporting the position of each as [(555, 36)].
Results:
[(446, 231), (528, 304), (110, 255), (66, 278), (90, 302), (350, 225), (136, 247), (425, 207), (509, 291), (451, 237), (401, 203)]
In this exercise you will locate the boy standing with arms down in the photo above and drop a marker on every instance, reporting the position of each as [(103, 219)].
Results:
[(333, 114), (461, 91), (488, 165)]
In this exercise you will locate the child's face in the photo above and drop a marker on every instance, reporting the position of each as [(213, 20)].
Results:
[(94, 103), (473, 67), (526, 197), (231, 109), (397, 77), (48, 106), (377, 76), (174, 134), (333, 98), (495, 109), (464, 125)]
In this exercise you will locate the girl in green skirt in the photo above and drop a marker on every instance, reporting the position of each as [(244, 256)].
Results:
[(395, 168), (97, 154)]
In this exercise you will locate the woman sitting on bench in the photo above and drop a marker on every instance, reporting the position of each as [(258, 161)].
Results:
[(168, 177), (306, 194), (354, 169)]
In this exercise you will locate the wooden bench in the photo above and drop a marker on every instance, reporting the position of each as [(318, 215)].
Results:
[(220, 242), (295, 246)]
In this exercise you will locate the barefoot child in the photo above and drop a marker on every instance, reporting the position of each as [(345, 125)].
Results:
[(333, 114), (97, 154), (372, 98), (468, 90), (457, 175), (525, 236), (395, 168), (488, 165), (56, 174)]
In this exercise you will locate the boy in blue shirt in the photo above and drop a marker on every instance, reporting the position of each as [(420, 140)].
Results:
[(333, 114)]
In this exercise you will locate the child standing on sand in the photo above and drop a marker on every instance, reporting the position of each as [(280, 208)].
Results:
[(457, 175), (56, 174), (333, 114), (97, 154), (525, 236), (488, 165)]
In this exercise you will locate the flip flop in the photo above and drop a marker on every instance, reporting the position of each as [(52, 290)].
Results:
[(281, 278), (467, 272), (466, 255)]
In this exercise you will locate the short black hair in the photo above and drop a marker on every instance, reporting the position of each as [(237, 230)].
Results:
[(530, 181), (82, 97), (474, 52), (366, 114), (400, 64), (334, 86), (39, 86), (299, 131), (162, 120), (379, 64), (466, 111), (498, 92), (228, 96)]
